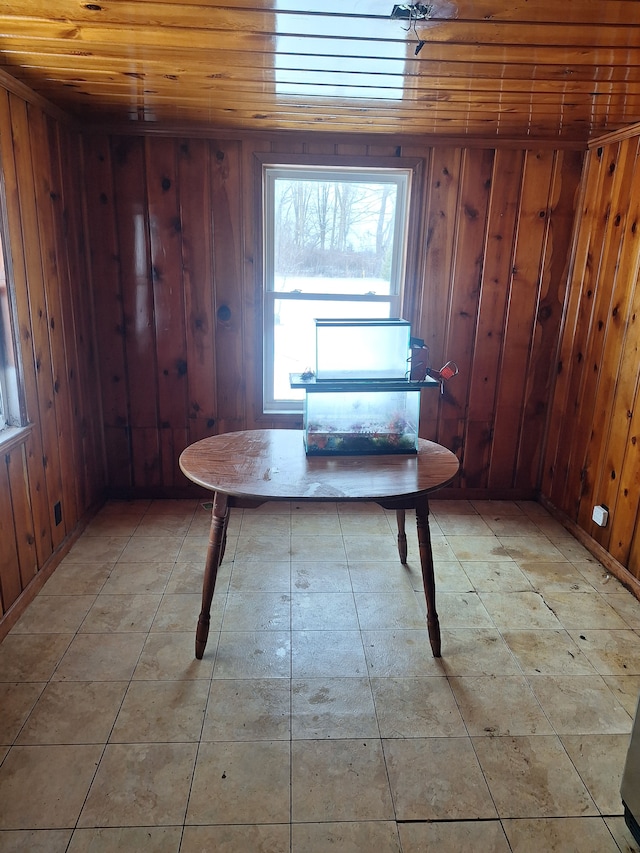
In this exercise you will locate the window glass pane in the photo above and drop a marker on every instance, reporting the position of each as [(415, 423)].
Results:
[(294, 343), (334, 247)]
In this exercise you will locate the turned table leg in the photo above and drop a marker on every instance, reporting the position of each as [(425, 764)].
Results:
[(426, 561), (215, 552), (402, 537)]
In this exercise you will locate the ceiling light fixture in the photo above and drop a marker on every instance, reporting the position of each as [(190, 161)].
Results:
[(413, 12)]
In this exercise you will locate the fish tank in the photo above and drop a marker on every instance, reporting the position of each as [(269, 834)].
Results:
[(348, 349), (360, 417)]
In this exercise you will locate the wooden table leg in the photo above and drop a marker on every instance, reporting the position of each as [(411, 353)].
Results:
[(426, 561), (402, 537), (215, 552)]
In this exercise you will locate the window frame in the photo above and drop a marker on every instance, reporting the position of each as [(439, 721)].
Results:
[(405, 261), (13, 412)]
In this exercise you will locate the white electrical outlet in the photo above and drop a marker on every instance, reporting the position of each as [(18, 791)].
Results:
[(600, 515)]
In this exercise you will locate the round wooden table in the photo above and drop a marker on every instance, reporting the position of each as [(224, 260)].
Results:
[(247, 468)]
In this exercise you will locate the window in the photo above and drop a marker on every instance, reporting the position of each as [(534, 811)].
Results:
[(9, 394), (334, 246)]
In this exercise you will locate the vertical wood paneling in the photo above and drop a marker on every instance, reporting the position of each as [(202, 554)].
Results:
[(107, 295), (228, 337), (598, 388), (194, 178), (58, 459), (498, 262)]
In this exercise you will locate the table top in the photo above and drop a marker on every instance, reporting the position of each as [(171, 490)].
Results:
[(272, 464)]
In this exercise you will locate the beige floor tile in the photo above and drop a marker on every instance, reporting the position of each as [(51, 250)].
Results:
[(581, 705), (163, 525), (240, 783), (626, 606), (171, 656), (320, 577), (129, 578), (626, 689), (332, 708), (498, 509), (512, 525), (548, 577), (264, 838), (443, 508), (140, 785), (121, 613), (371, 548), (26, 657), (318, 654), (257, 611), (383, 577), (620, 831), (161, 712), (499, 705), (513, 609), (450, 577), (151, 549), (460, 610), (255, 524), (599, 759), (16, 702), (29, 800), (267, 576), (342, 780), (389, 610), (305, 548), (248, 710), (147, 839), (323, 611), (253, 654), (314, 524), (368, 525), (476, 651), (347, 837), (611, 652), (502, 577), (453, 836), (560, 835), (548, 652), (100, 657), (261, 547), (463, 525), (35, 840), (187, 578), (65, 617), (416, 708), (401, 653), (532, 547), (440, 549), (96, 549), (532, 777), (436, 778), (470, 548), (581, 610), (77, 579), (112, 524), (180, 612), (74, 712)]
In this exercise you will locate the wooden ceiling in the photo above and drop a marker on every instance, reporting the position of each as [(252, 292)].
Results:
[(558, 69)]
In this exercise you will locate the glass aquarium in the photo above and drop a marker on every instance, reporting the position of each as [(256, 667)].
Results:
[(379, 417), (348, 349)]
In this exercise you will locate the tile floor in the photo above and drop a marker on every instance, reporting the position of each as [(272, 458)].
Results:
[(318, 719)]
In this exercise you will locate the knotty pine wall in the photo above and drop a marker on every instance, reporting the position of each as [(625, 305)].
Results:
[(173, 228), (593, 454), (59, 460)]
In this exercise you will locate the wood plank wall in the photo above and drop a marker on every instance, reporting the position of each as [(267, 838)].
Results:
[(60, 460), (175, 265), (597, 392)]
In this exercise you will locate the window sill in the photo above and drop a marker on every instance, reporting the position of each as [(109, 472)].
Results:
[(12, 437)]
